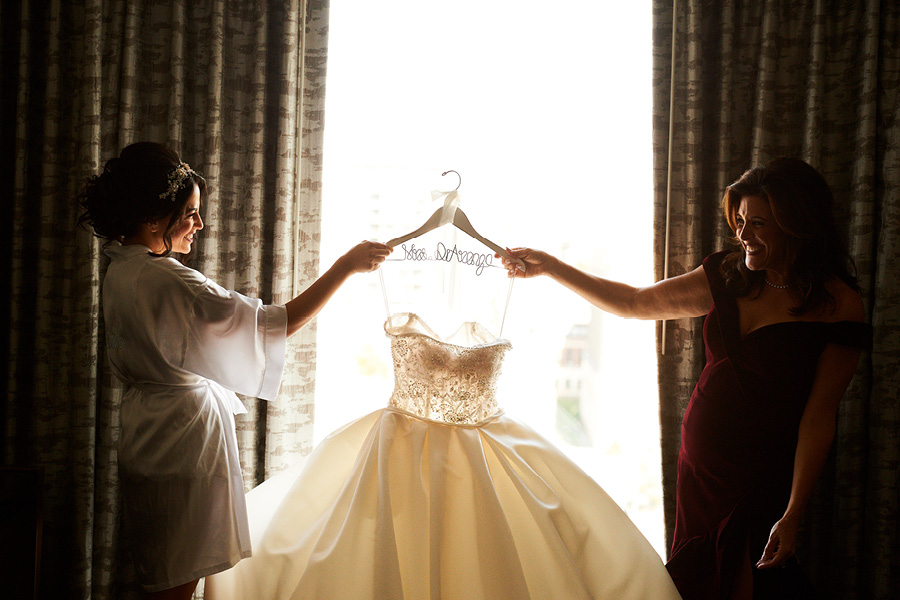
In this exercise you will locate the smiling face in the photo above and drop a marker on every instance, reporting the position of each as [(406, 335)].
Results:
[(760, 235), (183, 231)]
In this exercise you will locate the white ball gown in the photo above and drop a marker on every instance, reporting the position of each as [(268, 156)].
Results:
[(440, 496)]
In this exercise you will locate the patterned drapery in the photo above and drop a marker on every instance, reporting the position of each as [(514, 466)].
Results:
[(238, 89), (821, 81)]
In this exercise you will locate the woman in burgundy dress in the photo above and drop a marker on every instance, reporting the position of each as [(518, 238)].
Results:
[(783, 333)]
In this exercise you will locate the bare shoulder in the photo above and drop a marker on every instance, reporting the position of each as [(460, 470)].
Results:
[(848, 304)]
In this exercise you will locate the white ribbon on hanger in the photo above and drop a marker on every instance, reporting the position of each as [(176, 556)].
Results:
[(451, 203)]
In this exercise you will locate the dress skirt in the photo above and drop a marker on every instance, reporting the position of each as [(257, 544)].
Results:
[(395, 506)]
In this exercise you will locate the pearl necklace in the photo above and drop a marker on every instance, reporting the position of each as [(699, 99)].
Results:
[(777, 287)]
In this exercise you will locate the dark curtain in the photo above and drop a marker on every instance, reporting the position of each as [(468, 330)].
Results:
[(752, 80), (238, 89)]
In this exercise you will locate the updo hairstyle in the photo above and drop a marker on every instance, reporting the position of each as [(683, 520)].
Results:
[(127, 193)]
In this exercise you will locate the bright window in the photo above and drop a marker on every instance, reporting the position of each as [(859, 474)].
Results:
[(545, 111)]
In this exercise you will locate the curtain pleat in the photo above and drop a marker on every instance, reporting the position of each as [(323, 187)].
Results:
[(818, 80), (224, 84)]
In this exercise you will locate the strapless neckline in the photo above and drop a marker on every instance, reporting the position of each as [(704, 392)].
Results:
[(469, 335)]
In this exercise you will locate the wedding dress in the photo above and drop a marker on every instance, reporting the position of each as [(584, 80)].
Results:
[(440, 495)]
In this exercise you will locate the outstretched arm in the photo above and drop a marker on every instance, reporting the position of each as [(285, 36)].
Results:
[(686, 295), (363, 257)]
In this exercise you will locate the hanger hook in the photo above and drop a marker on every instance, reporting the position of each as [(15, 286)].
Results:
[(457, 174)]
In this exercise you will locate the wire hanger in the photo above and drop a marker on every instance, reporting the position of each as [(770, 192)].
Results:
[(450, 213)]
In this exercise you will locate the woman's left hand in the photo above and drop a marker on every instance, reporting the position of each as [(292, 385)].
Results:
[(782, 543)]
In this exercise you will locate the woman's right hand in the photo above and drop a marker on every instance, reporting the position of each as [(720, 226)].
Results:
[(364, 257), (536, 262)]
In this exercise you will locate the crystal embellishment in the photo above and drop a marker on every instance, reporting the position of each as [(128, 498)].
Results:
[(444, 382)]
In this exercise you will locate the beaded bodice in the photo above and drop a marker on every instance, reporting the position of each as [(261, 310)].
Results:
[(452, 380)]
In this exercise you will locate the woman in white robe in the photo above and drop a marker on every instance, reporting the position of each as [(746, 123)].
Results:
[(183, 345)]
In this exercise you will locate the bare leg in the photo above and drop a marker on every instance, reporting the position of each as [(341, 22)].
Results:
[(182, 592)]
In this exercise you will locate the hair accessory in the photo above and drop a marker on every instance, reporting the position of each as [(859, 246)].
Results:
[(777, 287), (176, 180)]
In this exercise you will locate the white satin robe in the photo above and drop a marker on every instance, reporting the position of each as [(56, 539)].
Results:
[(182, 345)]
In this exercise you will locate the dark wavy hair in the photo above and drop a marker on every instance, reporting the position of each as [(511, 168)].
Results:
[(802, 206), (127, 193)]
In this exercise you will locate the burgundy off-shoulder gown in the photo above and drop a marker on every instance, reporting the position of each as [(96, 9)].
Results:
[(738, 438)]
